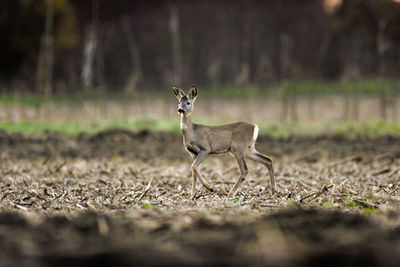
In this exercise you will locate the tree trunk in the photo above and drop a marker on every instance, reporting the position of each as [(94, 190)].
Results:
[(136, 75), (176, 45), (100, 66), (382, 100), (44, 72), (356, 104), (293, 106), (243, 78), (395, 110), (346, 108), (284, 47), (90, 49), (311, 107), (380, 44)]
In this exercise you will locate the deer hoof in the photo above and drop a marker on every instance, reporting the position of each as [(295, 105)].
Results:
[(273, 191)]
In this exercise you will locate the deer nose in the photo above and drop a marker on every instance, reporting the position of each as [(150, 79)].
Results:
[(180, 110)]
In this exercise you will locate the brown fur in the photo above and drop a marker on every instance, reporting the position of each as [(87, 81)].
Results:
[(201, 140)]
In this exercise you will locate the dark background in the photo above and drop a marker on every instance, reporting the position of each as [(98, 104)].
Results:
[(133, 45)]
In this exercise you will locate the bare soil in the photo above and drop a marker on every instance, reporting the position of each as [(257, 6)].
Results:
[(120, 198)]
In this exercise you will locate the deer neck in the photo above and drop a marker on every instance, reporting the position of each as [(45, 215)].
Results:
[(186, 127)]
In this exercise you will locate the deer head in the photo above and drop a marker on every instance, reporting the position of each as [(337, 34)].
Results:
[(186, 102)]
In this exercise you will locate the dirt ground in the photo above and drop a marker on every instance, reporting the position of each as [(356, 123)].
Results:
[(120, 198)]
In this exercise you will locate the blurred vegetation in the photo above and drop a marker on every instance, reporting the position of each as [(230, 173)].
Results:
[(303, 88), (225, 46), (371, 129), (130, 51)]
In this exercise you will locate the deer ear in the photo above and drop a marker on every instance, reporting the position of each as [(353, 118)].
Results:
[(192, 92), (178, 92)]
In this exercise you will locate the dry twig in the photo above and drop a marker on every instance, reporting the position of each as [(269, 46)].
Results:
[(365, 204), (58, 168), (318, 193), (148, 187)]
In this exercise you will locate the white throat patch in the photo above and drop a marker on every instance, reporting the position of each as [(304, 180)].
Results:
[(183, 122), (183, 126)]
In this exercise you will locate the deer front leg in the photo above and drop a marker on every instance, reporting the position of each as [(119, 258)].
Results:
[(243, 172), (195, 173)]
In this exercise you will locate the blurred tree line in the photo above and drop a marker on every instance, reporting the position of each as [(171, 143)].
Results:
[(63, 46)]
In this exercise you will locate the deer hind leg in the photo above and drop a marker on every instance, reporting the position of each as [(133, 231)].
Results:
[(253, 154), (243, 172), (195, 173)]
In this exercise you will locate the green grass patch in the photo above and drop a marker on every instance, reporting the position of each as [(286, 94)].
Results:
[(291, 203), (368, 210), (351, 204), (238, 201), (75, 127), (366, 86), (149, 206), (371, 129)]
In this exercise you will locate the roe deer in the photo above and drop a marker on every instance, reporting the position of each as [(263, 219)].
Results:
[(200, 140)]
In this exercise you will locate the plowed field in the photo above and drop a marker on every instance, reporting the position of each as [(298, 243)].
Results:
[(120, 198)]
